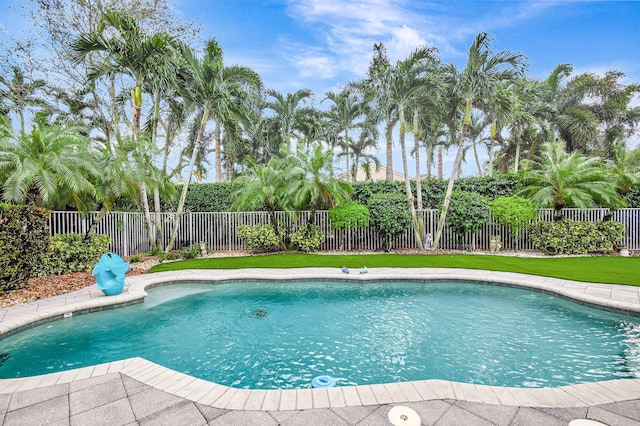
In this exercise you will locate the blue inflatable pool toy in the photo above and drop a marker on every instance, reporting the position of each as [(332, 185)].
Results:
[(345, 269), (323, 382), (109, 273)]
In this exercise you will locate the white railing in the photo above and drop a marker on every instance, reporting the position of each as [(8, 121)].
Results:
[(218, 230)]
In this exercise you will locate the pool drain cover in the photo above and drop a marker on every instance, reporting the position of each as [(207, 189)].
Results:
[(3, 357), (259, 313)]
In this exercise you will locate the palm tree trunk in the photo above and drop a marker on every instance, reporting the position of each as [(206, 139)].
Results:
[(452, 178), (516, 163), (346, 141), (185, 187), (156, 190), (440, 172), (475, 155), (388, 135), (416, 144), (491, 142), (405, 168), (218, 153)]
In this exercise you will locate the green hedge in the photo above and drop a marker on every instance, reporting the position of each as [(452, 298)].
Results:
[(24, 238), (576, 237), (72, 253)]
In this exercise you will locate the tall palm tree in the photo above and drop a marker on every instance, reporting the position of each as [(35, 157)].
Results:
[(376, 89), (367, 141), (20, 94), (290, 111), (478, 80), (207, 84), (572, 117), (128, 51), (560, 179), (409, 80), (347, 113), (39, 166)]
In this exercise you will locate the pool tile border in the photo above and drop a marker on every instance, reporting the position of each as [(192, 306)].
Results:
[(619, 299)]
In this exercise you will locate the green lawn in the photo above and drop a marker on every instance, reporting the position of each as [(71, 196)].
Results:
[(602, 269)]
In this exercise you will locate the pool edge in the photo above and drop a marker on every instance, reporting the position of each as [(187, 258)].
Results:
[(610, 297)]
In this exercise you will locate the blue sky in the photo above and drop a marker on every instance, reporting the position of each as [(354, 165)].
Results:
[(322, 44)]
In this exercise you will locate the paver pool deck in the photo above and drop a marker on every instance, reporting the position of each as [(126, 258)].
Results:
[(136, 391)]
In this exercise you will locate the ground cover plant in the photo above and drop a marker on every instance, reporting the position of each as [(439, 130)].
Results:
[(598, 269)]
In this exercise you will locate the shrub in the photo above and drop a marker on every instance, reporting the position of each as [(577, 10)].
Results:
[(576, 237), (389, 215), (349, 216), (72, 253), (261, 238), (307, 238), (513, 212), (136, 258), (468, 211), (190, 252), (24, 238)]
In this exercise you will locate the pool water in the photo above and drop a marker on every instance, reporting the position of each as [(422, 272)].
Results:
[(273, 335)]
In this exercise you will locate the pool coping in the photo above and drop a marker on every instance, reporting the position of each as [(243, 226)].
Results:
[(616, 298)]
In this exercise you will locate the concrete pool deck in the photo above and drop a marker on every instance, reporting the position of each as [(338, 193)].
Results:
[(136, 391)]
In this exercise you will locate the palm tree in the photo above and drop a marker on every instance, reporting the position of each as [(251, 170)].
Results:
[(376, 90), (263, 186), (312, 183), (409, 80), (130, 52), (37, 167), (290, 111), (346, 113), (478, 80), (211, 87), (618, 119), (367, 140), (572, 117), (19, 94), (560, 179)]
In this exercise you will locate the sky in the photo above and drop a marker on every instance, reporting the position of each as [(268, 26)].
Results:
[(323, 44)]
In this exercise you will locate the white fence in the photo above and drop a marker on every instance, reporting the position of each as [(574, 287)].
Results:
[(218, 230)]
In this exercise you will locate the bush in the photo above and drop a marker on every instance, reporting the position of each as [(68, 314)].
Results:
[(513, 212), (71, 253), (307, 238), (24, 239), (260, 238), (389, 214), (468, 211), (576, 237), (190, 252), (349, 216)]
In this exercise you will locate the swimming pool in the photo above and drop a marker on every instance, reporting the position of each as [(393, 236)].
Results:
[(280, 335)]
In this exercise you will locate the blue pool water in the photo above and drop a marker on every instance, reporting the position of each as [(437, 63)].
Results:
[(270, 335)]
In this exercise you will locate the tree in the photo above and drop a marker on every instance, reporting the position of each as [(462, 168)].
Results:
[(20, 94), (39, 166), (211, 87), (263, 186), (346, 113), (131, 52), (479, 79), (312, 184), (409, 80), (560, 179), (290, 111)]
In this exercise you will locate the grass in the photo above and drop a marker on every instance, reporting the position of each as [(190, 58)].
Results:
[(600, 269)]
